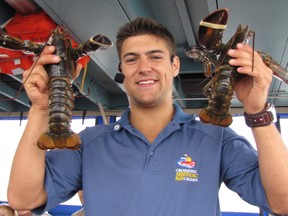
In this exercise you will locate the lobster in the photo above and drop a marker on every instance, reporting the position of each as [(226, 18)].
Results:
[(213, 54), (59, 134)]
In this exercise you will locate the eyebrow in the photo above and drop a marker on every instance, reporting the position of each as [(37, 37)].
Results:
[(147, 53)]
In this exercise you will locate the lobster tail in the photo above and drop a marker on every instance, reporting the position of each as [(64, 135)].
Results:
[(48, 140), (207, 117), (59, 135)]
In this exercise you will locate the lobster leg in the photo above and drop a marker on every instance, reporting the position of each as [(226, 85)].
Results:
[(278, 70)]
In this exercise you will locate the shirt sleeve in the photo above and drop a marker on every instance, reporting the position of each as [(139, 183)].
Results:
[(63, 176), (240, 171)]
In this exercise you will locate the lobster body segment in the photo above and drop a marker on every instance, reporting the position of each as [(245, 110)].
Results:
[(213, 52)]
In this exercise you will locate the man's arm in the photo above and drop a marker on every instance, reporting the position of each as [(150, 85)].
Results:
[(26, 185), (273, 163), (252, 91)]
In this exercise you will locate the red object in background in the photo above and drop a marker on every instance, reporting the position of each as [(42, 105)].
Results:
[(34, 27), (14, 62)]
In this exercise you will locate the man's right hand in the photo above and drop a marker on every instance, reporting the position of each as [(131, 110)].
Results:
[(36, 79)]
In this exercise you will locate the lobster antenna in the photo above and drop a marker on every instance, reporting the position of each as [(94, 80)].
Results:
[(253, 48), (253, 45)]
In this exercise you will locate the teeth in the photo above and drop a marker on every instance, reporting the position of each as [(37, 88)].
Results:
[(146, 82)]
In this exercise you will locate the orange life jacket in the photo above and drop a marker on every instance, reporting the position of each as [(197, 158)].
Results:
[(33, 27)]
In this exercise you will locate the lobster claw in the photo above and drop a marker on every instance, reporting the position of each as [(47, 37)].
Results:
[(211, 29), (12, 43), (98, 42)]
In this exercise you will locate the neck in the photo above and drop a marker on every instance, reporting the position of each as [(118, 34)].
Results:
[(151, 121)]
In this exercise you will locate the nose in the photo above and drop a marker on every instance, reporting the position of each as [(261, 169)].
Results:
[(144, 65)]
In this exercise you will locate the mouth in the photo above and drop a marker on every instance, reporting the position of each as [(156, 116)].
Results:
[(146, 82)]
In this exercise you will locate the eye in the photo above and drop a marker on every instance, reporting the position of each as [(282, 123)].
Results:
[(130, 60), (156, 57)]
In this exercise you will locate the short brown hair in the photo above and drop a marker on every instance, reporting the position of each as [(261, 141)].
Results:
[(141, 26)]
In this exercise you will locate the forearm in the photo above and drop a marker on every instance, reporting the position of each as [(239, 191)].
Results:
[(26, 185), (273, 162)]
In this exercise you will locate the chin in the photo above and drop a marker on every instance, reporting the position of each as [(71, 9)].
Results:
[(148, 103)]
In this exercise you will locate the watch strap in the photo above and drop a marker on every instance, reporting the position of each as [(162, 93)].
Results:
[(262, 118)]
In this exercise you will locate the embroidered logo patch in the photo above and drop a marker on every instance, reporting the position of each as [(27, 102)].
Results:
[(186, 161), (187, 173)]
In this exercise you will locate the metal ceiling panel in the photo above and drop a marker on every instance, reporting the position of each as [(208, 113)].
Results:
[(86, 18)]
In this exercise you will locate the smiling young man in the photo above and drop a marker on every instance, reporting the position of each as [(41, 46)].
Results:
[(156, 160), (149, 66)]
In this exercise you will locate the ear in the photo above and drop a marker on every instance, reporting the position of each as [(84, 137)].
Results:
[(119, 77), (176, 65), (119, 67)]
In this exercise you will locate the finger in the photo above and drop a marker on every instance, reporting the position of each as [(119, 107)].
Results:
[(47, 56), (49, 49), (48, 59), (244, 56), (261, 74), (243, 60), (244, 47), (240, 52), (34, 69), (38, 71), (249, 70), (39, 80), (244, 51)]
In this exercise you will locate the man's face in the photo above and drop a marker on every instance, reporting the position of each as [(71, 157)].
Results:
[(146, 64)]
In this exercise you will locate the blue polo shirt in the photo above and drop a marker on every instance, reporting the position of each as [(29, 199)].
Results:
[(180, 173)]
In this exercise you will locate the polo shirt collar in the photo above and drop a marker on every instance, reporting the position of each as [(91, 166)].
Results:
[(179, 117)]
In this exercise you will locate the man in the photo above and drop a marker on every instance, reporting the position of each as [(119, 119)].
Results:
[(156, 160)]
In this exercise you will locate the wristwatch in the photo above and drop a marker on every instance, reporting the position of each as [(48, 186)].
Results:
[(263, 118)]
